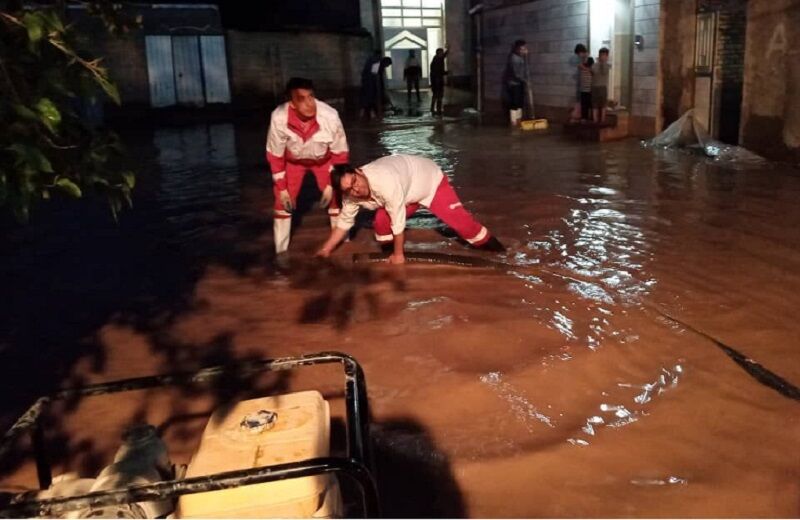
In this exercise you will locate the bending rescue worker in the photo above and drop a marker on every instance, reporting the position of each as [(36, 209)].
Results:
[(396, 186)]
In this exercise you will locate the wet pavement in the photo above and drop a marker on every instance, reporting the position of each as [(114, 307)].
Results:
[(635, 353)]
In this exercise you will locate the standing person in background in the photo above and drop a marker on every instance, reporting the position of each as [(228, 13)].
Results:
[(412, 72), (600, 86), (385, 100), (579, 57), (304, 135), (437, 74), (370, 86), (515, 76), (586, 90)]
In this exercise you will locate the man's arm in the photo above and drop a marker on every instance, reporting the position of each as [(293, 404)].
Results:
[(276, 158), (398, 256), (337, 235)]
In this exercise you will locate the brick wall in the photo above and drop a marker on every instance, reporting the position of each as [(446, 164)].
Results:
[(728, 66), (261, 63), (551, 28)]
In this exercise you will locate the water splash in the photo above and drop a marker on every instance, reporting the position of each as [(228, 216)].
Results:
[(523, 409)]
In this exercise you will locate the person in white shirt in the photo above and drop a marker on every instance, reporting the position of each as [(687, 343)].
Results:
[(396, 186), (304, 135)]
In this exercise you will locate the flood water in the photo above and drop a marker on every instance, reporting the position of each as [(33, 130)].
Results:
[(585, 376)]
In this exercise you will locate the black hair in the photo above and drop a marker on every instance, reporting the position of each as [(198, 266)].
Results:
[(604, 50), (337, 173), (296, 83), (518, 45), (580, 48), (589, 61)]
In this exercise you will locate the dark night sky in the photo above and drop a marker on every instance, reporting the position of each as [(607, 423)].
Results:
[(252, 15)]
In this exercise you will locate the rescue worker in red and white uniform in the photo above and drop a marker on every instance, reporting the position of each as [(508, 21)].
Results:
[(396, 186), (304, 134)]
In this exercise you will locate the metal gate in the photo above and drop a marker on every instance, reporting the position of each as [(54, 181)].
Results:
[(215, 69), (160, 71), (188, 71)]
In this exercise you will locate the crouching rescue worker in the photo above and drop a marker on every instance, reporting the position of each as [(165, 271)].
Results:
[(396, 186), (304, 134)]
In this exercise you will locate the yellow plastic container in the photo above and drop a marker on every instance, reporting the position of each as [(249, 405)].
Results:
[(301, 431), (534, 124)]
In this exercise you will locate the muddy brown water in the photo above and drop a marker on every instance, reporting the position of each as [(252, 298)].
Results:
[(549, 382)]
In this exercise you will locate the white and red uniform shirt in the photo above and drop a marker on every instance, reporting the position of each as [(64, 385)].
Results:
[(311, 145), (395, 182)]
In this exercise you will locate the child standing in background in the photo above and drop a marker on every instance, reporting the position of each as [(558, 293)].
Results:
[(600, 86), (586, 89)]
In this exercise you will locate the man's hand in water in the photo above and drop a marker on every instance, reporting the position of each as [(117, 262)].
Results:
[(286, 200), (327, 196), (397, 259)]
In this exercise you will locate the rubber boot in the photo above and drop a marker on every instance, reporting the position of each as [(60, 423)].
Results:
[(493, 245), (281, 230), (517, 116)]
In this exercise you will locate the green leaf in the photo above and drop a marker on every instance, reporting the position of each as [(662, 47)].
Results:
[(31, 157), (130, 179), (49, 113), (33, 23), (69, 187), (25, 112)]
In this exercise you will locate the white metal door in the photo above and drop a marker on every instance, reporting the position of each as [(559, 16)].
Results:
[(159, 70), (215, 69), (188, 72)]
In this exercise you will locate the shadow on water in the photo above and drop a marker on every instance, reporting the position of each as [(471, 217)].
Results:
[(415, 479), (344, 294), (73, 270)]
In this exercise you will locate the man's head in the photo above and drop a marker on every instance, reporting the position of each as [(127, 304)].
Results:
[(580, 50), (520, 47), (439, 51), (350, 181), (603, 54), (301, 97)]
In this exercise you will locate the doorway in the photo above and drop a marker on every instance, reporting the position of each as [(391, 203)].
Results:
[(611, 26), (407, 25)]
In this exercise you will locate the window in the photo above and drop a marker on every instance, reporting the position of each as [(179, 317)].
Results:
[(704, 43), (390, 12)]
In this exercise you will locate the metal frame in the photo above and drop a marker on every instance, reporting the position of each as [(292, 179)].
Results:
[(357, 464)]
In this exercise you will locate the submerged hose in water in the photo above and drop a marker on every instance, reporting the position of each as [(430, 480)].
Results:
[(434, 258), (757, 371)]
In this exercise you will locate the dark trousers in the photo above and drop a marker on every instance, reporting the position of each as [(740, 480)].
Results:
[(586, 105), (413, 82), (516, 96), (437, 91)]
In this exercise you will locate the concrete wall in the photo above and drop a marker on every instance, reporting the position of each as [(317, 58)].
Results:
[(677, 66), (458, 34), (771, 103), (261, 63)]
